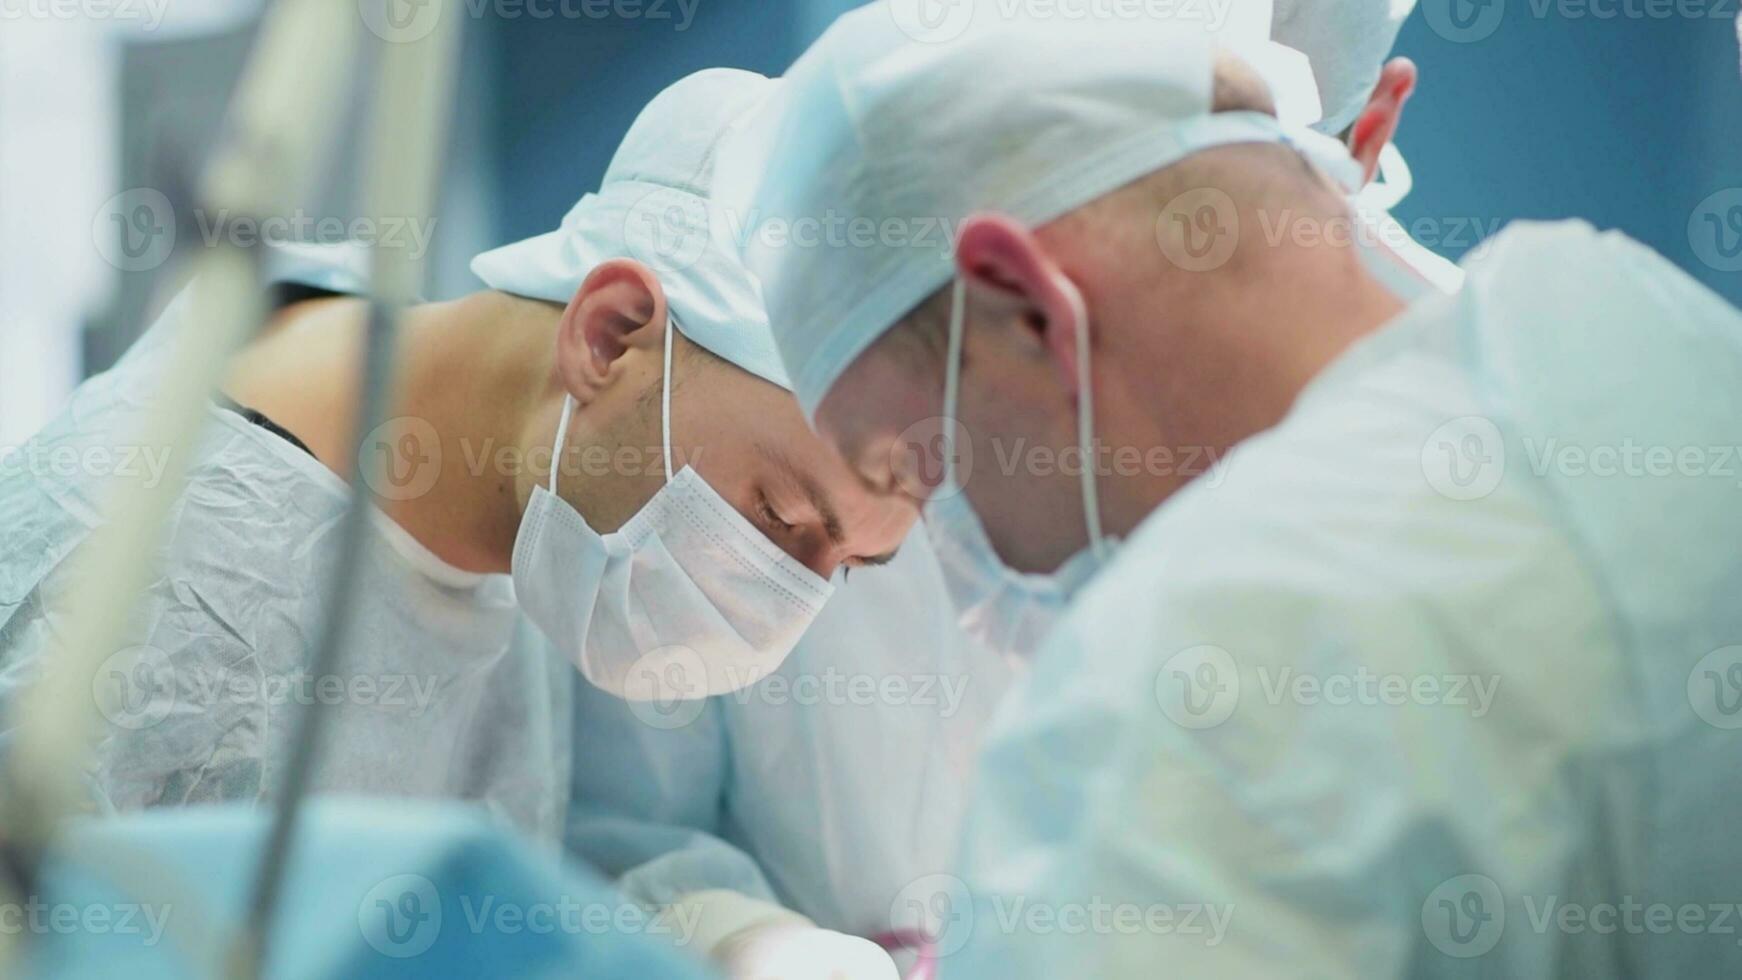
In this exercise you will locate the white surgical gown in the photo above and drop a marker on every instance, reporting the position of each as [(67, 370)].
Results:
[(835, 787), (430, 701), (1442, 680)]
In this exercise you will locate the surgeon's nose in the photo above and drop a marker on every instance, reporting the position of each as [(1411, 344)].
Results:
[(809, 545), (825, 563)]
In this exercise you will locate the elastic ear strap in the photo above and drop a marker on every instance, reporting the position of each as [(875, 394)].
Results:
[(953, 378), (1394, 183), (562, 434), (1086, 430), (1329, 155), (665, 400)]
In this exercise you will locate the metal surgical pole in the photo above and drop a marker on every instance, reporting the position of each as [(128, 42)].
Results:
[(406, 144), (275, 138)]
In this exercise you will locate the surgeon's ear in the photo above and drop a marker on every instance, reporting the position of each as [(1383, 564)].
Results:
[(619, 307), (1008, 270), (1377, 123)]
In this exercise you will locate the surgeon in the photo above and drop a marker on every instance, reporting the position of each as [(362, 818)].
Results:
[(1437, 676), (602, 440), (848, 811)]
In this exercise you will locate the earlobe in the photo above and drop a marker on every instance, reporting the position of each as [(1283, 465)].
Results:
[(619, 306), (1377, 124)]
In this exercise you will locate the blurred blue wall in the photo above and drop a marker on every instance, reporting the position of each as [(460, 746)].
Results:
[(566, 90), (1628, 122)]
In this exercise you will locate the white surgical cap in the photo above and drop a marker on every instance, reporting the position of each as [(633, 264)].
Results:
[(883, 137), (1347, 42), (654, 206)]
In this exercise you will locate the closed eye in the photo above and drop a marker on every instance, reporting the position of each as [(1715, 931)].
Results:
[(765, 511)]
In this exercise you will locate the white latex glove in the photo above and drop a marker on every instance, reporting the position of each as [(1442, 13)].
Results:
[(789, 951), (750, 939)]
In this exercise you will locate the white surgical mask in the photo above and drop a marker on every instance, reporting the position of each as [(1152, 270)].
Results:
[(1008, 610), (687, 600)]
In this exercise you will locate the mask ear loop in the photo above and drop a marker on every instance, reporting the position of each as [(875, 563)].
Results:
[(562, 434), (953, 380), (1328, 155), (1086, 430), (1394, 183), (665, 400)]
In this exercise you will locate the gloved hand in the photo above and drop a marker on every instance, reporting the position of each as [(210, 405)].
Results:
[(790, 951), (750, 939)]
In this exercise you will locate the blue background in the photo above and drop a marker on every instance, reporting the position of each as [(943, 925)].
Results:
[(1629, 122)]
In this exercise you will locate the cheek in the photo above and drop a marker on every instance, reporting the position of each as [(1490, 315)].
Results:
[(1015, 416)]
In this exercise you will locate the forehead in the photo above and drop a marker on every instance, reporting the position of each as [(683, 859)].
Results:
[(852, 514), (897, 380)]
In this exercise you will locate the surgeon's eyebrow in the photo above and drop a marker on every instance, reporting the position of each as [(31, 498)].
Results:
[(819, 500)]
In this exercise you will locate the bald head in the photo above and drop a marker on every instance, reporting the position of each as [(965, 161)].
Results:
[(1125, 224), (1210, 292)]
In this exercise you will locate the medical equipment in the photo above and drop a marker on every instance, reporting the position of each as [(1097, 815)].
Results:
[(378, 889), (256, 170), (411, 112), (275, 142)]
